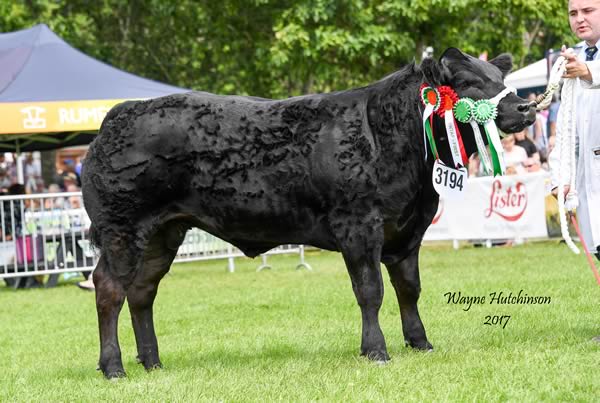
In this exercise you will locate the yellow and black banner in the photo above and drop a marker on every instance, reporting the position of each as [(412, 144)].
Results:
[(51, 117)]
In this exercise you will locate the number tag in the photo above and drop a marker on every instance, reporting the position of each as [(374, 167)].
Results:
[(450, 183)]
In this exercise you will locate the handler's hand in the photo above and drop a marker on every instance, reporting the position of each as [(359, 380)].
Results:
[(575, 67), (555, 191)]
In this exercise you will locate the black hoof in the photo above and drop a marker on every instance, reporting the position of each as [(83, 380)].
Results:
[(152, 367), (116, 374), (111, 371), (149, 364), (376, 355), (419, 345)]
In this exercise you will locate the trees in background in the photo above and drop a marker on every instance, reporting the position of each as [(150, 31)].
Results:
[(278, 48)]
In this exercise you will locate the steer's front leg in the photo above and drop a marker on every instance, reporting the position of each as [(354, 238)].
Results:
[(362, 251), (405, 279)]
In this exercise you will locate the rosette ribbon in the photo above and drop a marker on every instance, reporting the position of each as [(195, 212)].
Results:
[(464, 113), (492, 130), (431, 99), (447, 100), (484, 113)]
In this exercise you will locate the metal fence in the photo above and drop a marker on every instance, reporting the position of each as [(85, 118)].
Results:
[(47, 234)]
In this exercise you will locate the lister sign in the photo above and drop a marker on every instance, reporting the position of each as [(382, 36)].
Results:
[(494, 208), (508, 201), (63, 116)]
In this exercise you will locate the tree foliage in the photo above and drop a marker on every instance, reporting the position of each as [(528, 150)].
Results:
[(278, 48)]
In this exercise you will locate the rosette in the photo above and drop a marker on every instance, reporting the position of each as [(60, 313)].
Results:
[(448, 98), (463, 110), (484, 111), (430, 96)]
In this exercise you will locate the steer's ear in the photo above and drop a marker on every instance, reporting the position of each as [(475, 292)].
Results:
[(452, 60), (452, 55), (434, 73), (504, 62)]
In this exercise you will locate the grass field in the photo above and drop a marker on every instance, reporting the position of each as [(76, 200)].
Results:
[(294, 335)]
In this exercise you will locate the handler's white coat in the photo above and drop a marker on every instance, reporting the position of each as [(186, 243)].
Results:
[(588, 163)]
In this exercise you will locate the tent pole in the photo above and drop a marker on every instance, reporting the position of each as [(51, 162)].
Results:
[(20, 175)]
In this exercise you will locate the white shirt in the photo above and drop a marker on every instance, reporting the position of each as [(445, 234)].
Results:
[(516, 157), (588, 161)]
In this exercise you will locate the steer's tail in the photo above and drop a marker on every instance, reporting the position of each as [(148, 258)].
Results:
[(95, 239)]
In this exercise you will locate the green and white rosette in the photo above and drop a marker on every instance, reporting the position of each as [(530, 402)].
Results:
[(484, 113), (464, 113), (431, 99)]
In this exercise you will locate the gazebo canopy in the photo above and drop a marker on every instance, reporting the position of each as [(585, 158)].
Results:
[(52, 95), (533, 75)]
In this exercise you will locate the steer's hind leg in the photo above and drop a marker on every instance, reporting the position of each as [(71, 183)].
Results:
[(361, 249), (404, 276), (114, 273), (110, 295), (158, 256)]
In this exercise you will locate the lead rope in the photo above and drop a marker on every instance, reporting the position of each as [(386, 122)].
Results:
[(565, 144)]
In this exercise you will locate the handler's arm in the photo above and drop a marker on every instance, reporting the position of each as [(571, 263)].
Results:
[(594, 69)]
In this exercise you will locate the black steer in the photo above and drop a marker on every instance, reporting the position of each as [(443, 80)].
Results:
[(343, 171)]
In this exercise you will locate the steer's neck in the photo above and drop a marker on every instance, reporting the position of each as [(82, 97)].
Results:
[(395, 112)]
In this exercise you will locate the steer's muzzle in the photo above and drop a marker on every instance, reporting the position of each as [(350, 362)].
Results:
[(516, 116), (526, 107)]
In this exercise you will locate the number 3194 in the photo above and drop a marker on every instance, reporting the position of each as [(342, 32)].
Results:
[(451, 180)]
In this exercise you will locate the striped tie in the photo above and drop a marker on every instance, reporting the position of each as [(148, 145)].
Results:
[(590, 53)]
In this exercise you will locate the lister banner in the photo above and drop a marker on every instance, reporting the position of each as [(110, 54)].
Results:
[(503, 207)]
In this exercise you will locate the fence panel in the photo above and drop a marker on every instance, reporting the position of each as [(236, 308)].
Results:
[(48, 234)]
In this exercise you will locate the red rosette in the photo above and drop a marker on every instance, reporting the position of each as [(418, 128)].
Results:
[(448, 97)]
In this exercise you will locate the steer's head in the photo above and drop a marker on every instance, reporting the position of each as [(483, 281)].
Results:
[(477, 79)]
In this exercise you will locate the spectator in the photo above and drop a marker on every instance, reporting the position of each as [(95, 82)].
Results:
[(474, 165), (538, 131), (73, 202), (78, 167), (32, 172), (553, 115), (12, 210), (522, 139), (514, 155), (551, 142), (4, 181), (532, 165), (66, 173), (10, 167), (53, 202), (69, 179)]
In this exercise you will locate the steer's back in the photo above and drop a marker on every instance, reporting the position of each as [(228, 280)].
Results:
[(235, 164)]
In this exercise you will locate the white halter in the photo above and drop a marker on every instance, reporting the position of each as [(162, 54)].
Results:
[(566, 143), (508, 90)]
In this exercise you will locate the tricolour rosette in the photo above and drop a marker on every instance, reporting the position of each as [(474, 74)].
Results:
[(431, 99)]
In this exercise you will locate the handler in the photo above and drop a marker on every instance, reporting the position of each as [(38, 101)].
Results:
[(584, 19)]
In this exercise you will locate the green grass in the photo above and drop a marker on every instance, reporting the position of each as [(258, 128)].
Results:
[(294, 335)]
